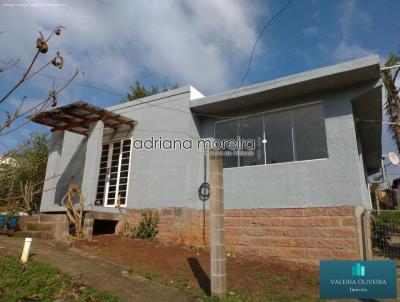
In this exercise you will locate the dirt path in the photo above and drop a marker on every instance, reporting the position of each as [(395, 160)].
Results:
[(191, 268), (97, 273)]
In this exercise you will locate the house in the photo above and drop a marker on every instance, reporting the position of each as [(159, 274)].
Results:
[(301, 194)]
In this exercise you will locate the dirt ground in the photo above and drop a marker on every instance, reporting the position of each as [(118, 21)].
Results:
[(172, 263), (95, 272)]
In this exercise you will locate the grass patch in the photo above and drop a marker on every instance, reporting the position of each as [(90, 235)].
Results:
[(312, 282), (257, 273), (36, 281), (180, 280), (270, 295), (157, 277), (279, 279), (182, 283)]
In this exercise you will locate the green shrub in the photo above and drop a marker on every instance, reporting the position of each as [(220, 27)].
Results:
[(387, 217), (147, 228), (380, 234)]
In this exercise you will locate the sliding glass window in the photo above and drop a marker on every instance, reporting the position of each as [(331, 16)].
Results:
[(281, 136), (252, 128), (309, 133), (229, 130)]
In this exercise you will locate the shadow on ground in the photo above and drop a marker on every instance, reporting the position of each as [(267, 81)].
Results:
[(202, 278)]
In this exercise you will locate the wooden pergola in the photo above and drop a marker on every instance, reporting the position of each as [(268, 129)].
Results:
[(78, 117)]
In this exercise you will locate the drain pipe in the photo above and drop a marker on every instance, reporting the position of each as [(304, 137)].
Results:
[(25, 250)]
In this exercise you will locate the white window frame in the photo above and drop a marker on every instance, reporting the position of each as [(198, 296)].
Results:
[(108, 171)]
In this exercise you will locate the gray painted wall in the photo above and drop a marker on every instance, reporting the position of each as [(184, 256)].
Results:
[(171, 178), (158, 178), (337, 180)]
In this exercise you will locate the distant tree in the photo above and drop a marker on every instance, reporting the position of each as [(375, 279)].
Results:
[(392, 105), (138, 91), (22, 174)]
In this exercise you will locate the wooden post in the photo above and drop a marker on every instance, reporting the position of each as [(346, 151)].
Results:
[(218, 262), (378, 208)]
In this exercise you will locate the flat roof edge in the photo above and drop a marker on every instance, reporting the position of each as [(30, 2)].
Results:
[(151, 98), (332, 70)]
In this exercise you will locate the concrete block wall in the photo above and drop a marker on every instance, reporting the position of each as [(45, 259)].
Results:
[(299, 234), (44, 226)]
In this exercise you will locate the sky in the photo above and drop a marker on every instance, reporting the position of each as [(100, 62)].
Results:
[(204, 43)]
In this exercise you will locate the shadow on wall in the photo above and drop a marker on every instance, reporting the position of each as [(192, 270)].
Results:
[(73, 172), (202, 278)]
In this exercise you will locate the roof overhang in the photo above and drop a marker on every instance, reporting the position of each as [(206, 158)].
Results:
[(367, 110), (78, 118), (340, 75)]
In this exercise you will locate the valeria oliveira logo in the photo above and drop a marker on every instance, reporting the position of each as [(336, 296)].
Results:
[(201, 145)]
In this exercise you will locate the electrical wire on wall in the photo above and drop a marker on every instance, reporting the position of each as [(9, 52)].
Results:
[(204, 195)]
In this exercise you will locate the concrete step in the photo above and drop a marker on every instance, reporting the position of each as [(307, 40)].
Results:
[(61, 217), (33, 234), (38, 226), (24, 220), (45, 226)]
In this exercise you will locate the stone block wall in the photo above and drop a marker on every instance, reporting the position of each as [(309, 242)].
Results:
[(300, 234)]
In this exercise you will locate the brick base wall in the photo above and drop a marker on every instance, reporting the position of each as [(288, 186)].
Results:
[(307, 234)]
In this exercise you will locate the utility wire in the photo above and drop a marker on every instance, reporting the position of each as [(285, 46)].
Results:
[(66, 80), (269, 22), (123, 95)]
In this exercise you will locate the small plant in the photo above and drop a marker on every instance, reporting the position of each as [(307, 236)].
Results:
[(312, 282), (130, 231), (150, 275), (257, 273), (147, 228), (181, 281), (279, 279), (156, 277)]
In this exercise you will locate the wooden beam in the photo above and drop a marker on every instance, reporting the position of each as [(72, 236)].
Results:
[(128, 123), (68, 117), (85, 133), (84, 123), (79, 116), (111, 115)]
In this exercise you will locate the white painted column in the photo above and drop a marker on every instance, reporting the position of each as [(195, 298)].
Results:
[(92, 163), (52, 170)]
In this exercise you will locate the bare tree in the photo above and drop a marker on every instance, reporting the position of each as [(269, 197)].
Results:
[(24, 193), (50, 100), (75, 214), (27, 195)]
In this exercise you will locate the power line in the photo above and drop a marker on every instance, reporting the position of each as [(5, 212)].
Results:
[(120, 94), (269, 22), (66, 80)]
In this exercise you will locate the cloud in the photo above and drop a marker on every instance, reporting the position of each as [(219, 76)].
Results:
[(203, 43), (316, 15), (351, 17), (348, 51), (311, 31)]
